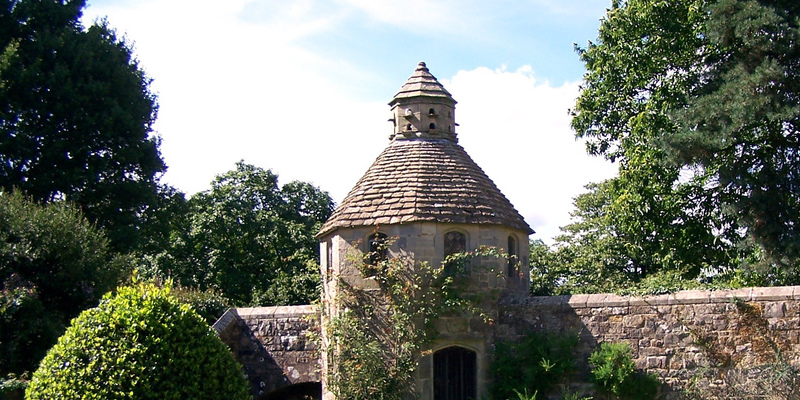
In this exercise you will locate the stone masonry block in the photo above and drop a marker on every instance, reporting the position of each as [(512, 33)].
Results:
[(727, 296), (633, 321), (578, 300), (596, 300), (774, 309), (774, 293), (689, 297)]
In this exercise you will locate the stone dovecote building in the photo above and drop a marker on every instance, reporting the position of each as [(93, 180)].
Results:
[(429, 196)]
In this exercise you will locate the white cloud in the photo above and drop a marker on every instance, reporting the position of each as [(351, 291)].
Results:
[(517, 129), (230, 90), (234, 84)]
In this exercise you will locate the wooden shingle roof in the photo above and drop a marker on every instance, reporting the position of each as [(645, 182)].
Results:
[(424, 179)]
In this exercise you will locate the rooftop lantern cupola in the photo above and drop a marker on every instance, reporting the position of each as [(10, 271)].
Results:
[(423, 108)]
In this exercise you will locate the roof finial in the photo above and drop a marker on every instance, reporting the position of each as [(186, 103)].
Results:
[(422, 66)]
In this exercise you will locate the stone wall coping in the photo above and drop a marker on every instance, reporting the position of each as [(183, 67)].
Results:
[(277, 311), (233, 314), (599, 300), (777, 293), (225, 320)]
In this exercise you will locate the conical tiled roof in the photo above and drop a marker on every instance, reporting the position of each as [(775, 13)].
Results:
[(423, 177), (422, 83), (424, 180)]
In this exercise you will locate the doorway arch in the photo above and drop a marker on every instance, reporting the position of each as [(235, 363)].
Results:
[(455, 374)]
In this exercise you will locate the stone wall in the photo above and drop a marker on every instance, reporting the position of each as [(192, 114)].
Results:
[(274, 344), (692, 340), (717, 341)]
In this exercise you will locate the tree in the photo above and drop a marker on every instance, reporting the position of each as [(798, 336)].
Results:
[(249, 239), (53, 265), (625, 240), (741, 124), (139, 344), (698, 104), (76, 116)]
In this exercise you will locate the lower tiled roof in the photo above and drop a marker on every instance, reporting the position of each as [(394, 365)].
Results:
[(424, 180)]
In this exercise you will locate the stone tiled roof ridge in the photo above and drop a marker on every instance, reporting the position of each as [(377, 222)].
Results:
[(424, 180)]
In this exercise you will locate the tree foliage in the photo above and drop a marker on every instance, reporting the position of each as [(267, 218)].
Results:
[(53, 265), (250, 239), (697, 100), (76, 116), (139, 344)]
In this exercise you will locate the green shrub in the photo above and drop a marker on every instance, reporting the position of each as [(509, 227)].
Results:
[(53, 265), (534, 364), (140, 344), (613, 371)]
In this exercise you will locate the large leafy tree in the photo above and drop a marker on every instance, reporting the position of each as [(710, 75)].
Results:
[(697, 101), (53, 265), (249, 238), (76, 116)]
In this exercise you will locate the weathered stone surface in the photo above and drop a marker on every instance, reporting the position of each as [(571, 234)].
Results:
[(678, 336), (273, 344)]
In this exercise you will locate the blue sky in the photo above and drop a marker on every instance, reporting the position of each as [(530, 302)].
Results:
[(301, 87)]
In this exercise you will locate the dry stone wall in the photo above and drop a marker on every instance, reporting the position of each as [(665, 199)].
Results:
[(274, 344), (709, 341)]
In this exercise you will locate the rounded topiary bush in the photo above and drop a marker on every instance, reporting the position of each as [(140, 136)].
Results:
[(139, 344)]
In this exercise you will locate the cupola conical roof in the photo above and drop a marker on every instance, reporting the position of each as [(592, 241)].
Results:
[(422, 84)]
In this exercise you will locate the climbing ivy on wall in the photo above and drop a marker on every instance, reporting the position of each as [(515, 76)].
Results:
[(377, 336)]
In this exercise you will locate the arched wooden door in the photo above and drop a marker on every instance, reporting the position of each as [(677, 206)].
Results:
[(454, 374)]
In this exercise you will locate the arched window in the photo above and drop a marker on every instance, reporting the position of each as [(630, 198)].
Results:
[(454, 242), (431, 112), (454, 374), (432, 126), (408, 127), (377, 248), (512, 257)]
